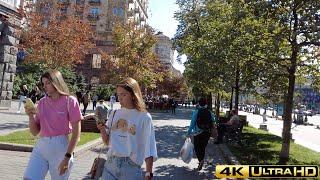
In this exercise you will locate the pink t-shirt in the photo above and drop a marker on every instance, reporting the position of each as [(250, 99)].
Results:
[(55, 118)]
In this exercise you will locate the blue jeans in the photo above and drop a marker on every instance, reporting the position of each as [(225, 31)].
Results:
[(121, 168)]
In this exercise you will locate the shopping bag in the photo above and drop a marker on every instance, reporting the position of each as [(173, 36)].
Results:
[(97, 168), (186, 152)]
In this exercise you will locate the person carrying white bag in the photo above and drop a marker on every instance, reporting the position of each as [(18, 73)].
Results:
[(186, 152), (200, 128)]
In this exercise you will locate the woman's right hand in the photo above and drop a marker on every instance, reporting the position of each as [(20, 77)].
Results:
[(101, 126), (30, 111)]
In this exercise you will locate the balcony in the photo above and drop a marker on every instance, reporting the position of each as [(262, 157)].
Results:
[(103, 43), (136, 10), (79, 2), (64, 1), (94, 2), (142, 18), (93, 17), (130, 13)]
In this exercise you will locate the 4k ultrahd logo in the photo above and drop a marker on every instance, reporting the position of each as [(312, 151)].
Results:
[(266, 171)]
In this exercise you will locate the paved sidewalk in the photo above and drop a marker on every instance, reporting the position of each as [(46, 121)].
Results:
[(170, 136)]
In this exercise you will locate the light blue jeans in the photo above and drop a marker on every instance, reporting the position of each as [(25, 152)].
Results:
[(47, 155), (121, 168), (21, 102)]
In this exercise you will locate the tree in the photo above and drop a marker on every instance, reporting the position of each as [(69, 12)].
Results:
[(219, 38), (172, 85), (134, 54), (298, 24), (31, 72), (248, 44), (52, 37)]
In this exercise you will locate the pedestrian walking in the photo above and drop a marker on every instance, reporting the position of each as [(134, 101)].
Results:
[(57, 115), (113, 100), (202, 122), (35, 94), (264, 117), (94, 101), (85, 101), (173, 107), (130, 135), (23, 94)]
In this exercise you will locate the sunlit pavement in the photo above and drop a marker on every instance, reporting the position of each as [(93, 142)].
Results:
[(170, 135), (307, 136)]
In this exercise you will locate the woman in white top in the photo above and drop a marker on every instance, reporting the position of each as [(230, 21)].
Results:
[(131, 136)]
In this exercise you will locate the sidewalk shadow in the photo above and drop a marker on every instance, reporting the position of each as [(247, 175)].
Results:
[(178, 173), (14, 113), (183, 114), (13, 126), (170, 140)]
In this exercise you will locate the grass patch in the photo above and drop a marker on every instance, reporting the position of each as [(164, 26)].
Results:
[(261, 147), (25, 137)]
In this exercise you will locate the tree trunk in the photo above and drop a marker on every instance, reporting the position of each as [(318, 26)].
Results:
[(218, 106), (237, 89), (209, 100), (231, 99), (287, 121), (287, 118)]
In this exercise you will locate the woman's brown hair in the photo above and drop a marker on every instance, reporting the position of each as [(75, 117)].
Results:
[(133, 87), (55, 77)]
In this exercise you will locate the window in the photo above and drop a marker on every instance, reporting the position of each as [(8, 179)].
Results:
[(64, 10), (96, 61), (94, 12), (79, 1), (118, 11)]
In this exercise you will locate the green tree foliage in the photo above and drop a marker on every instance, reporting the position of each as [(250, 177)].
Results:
[(30, 74), (105, 91), (135, 56), (220, 38), (248, 45), (297, 31)]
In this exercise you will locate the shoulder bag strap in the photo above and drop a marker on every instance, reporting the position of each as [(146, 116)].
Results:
[(109, 132)]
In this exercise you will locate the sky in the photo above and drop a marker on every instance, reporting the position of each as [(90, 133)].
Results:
[(161, 18)]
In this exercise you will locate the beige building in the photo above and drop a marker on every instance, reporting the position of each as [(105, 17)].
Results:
[(165, 52), (102, 14)]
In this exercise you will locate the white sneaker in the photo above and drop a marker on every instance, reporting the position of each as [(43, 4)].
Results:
[(18, 112)]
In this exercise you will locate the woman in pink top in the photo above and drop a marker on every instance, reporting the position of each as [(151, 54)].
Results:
[(57, 115)]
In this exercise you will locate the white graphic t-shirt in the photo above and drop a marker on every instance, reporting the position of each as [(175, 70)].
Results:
[(132, 135)]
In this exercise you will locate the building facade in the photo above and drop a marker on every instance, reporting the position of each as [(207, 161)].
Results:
[(102, 15), (10, 21), (165, 52)]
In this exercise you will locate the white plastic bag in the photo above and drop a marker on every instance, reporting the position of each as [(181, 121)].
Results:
[(186, 152)]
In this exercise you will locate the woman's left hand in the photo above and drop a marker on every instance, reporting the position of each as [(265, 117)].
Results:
[(63, 167)]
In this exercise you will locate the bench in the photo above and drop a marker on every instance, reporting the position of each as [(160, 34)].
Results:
[(89, 125), (234, 134)]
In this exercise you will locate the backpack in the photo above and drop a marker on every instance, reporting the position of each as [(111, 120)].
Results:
[(204, 121)]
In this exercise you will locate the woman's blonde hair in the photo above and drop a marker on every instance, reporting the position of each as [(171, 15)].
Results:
[(133, 87), (55, 77)]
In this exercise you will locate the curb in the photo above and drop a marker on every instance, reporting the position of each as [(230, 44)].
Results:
[(227, 155), (28, 148)]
